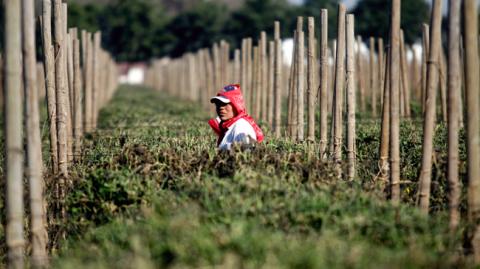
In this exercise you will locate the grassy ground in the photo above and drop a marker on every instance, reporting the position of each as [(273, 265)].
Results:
[(152, 192)]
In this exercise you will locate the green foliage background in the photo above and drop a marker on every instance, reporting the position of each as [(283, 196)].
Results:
[(137, 30)]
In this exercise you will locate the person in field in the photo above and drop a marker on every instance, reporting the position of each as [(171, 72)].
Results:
[(233, 125)]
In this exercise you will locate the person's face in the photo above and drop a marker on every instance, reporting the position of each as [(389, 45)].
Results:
[(224, 111)]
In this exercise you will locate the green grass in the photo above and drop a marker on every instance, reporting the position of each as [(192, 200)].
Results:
[(153, 192)]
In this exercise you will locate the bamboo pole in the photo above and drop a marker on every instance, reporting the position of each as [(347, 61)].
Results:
[(257, 75), (472, 123), (77, 84), (453, 113), (61, 89), (405, 77), (443, 85), (96, 78), (339, 87), (66, 75), (243, 81), (88, 49), (385, 129), (277, 88), (39, 236), (360, 71), (250, 76), (381, 68), (429, 123), (351, 148), (300, 80), (49, 63), (323, 83), (394, 104), (262, 82), (236, 69), (373, 77), (293, 97), (311, 72), (13, 135), (425, 56), (271, 79)]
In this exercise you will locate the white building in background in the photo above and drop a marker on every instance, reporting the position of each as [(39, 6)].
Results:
[(132, 73)]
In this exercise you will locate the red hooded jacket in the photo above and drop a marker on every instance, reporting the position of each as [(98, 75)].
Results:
[(234, 94)]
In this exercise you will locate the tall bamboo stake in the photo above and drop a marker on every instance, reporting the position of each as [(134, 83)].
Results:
[(429, 123), (49, 63), (13, 135), (425, 57), (250, 85), (271, 78), (339, 87), (78, 111), (293, 97), (394, 102), (405, 77), (453, 112), (96, 78), (278, 81), (311, 72), (385, 130), (39, 236), (87, 82), (66, 75), (257, 76), (472, 90), (300, 80), (262, 86), (236, 69), (61, 88), (373, 77), (323, 83), (351, 148), (381, 68), (360, 71)]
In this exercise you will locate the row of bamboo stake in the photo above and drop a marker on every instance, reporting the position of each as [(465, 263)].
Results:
[(341, 75), (77, 77)]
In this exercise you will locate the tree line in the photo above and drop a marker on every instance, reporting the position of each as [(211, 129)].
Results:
[(139, 30)]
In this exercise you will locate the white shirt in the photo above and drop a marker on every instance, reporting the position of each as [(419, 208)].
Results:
[(240, 132)]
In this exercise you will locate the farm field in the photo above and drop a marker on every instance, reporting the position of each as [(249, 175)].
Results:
[(152, 191)]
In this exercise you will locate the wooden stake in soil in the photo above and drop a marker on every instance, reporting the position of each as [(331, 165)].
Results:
[(277, 88), (381, 68), (429, 123), (323, 83), (453, 112), (472, 89), (339, 87), (405, 77), (425, 57), (373, 78), (311, 72), (77, 86), (351, 148), (300, 79), (34, 143), (394, 102), (88, 66), (271, 78), (49, 63), (61, 88), (360, 76), (385, 130), (13, 135)]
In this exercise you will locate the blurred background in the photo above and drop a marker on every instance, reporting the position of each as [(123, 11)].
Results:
[(139, 30)]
